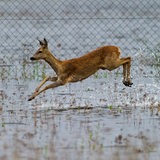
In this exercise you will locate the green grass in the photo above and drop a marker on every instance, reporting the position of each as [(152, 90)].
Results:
[(156, 63)]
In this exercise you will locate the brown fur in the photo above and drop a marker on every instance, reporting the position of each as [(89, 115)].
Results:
[(77, 69)]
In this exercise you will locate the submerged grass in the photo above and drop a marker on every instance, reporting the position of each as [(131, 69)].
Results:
[(151, 57), (25, 70), (156, 65), (135, 147)]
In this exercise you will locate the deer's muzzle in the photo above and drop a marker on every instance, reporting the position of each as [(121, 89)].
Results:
[(32, 59)]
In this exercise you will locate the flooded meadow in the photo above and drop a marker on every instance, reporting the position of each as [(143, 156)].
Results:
[(98, 118)]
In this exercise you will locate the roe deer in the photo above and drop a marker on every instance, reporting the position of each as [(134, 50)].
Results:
[(77, 69)]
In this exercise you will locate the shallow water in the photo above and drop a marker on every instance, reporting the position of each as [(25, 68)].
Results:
[(92, 119), (98, 118)]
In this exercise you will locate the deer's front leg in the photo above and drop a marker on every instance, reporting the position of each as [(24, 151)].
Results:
[(48, 78), (53, 85)]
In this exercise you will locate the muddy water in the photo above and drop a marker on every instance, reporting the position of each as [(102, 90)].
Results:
[(98, 118)]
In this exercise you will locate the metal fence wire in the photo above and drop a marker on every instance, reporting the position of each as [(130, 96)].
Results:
[(74, 27)]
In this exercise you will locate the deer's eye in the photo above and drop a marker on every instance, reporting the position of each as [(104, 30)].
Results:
[(40, 52)]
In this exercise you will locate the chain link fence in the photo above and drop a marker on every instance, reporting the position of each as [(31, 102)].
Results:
[(73, 28)]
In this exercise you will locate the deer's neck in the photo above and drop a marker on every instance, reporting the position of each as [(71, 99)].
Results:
[(53, 62)]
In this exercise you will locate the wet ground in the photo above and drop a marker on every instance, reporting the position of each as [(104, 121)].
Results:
[(98, 118), (93, 119)]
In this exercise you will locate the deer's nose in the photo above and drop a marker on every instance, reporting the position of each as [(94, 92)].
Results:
[(32, 59)]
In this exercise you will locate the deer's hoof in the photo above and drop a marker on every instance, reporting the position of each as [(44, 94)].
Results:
[(32, 97), (127, 83), (29, 99)]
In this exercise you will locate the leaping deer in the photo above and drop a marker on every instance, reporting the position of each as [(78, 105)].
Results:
[(77, 69)]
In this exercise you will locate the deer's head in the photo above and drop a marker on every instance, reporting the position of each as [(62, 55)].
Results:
[(41, 53)]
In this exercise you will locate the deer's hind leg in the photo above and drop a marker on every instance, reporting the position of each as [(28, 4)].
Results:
[(126, 62)]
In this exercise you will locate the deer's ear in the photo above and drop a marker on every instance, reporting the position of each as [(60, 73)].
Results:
[(45, 43), (41, 43)]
